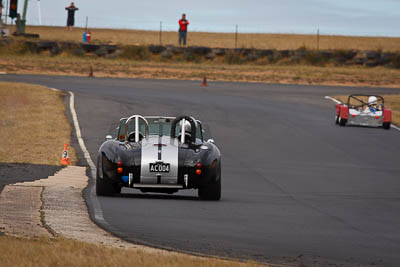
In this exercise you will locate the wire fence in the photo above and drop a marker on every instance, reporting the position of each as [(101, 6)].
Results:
[(197, 26)]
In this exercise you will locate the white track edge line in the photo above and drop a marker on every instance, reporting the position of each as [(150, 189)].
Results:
[(395, 127), (338, 102), (333, 99), (98, 213)]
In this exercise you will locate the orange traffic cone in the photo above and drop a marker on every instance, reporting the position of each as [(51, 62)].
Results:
[(204, 84), (64, 156)]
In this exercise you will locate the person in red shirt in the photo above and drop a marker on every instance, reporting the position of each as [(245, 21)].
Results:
[(183, 25)]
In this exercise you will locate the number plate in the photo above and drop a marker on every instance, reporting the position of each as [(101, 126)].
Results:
[(159, 167)]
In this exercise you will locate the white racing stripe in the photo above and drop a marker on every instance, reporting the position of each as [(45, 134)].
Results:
[(98, 213), (338, 102)]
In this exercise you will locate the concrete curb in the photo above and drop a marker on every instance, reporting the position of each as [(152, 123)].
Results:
[(60, 208)]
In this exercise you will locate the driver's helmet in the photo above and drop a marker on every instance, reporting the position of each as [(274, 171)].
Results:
[(372, 100), (188, 127)]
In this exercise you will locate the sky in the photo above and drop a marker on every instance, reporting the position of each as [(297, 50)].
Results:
[(341, 17)]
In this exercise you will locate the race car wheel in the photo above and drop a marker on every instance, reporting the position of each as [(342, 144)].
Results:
[(211, 191), (386, 125), (104, 188), (342, 122), (337, 119)]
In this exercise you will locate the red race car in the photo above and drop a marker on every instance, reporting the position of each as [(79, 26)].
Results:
[(364, 110)]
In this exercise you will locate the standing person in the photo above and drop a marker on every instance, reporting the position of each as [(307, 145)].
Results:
[(71, 15), (183, 24), (1, 12), (1, 18)]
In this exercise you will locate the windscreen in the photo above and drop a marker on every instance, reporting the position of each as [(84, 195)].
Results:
[(157, 126)]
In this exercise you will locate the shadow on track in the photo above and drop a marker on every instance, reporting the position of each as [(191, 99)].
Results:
[(158, 196)]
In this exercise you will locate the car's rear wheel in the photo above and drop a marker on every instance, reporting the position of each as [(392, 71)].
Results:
[(337, 119), (386, 125), (104, 188), (211, 191), (342, 122)]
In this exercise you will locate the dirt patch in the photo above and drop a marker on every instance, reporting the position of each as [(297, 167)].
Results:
[(293, 74), (20, 211), (64, 210)]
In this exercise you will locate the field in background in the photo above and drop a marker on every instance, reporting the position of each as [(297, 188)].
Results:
[(140, 63), (391, 101), (294, 74), (33, 125), (223, 40)]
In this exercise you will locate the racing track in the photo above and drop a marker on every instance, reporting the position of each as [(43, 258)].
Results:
[(295, 185)]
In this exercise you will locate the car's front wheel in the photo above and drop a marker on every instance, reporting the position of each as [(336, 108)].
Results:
[(211, 191)]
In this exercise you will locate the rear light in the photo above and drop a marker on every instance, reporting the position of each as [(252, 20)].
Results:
[(377, 117), (119, 170), (354, 116), (198, 168), (119, 163)]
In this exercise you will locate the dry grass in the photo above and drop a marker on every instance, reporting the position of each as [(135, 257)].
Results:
[(391, 101), (226, 40), (33, 125), (295, 74), (15, 59), (64, 252)]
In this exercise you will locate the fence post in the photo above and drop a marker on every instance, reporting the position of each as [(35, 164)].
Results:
[(160, 32), (318, 39), (8, 1), (39, 13), (236, 36)]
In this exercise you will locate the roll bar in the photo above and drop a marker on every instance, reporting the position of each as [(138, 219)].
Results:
[(356, 97), (193, 125), (137, 118)]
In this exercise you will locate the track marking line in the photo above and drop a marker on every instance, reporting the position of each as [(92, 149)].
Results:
[(338, 102), (98, 213), (333, 99), (395, 127)]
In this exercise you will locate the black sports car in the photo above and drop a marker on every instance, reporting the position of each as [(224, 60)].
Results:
[(159, 154)]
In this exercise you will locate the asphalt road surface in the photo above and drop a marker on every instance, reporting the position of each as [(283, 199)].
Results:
[(296, 187)]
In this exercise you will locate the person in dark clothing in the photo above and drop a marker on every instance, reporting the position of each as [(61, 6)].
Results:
[(71, 16), (183, 25)]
